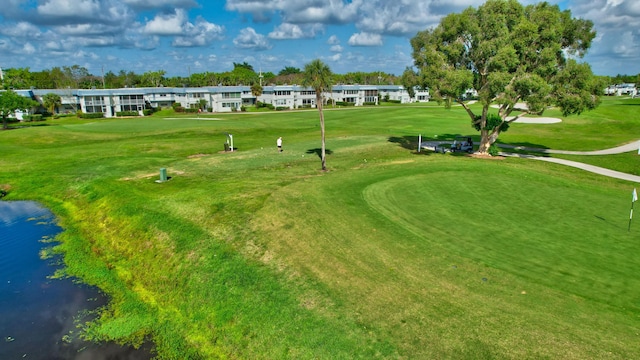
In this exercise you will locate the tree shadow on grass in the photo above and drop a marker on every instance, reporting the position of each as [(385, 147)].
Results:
[(411, 142), (14, 126), (318, 152)]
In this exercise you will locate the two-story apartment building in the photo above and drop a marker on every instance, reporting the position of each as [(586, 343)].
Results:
[(218, 98)]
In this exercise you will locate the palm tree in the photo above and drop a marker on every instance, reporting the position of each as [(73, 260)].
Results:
[(256, 90), (51, 102), (317, 76)]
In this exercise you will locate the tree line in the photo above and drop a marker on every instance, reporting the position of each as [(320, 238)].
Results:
[(78, 77)]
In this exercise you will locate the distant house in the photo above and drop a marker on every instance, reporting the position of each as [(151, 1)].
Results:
[(621, 89)]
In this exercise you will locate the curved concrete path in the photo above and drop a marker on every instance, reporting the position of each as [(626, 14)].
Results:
[(633, 146)]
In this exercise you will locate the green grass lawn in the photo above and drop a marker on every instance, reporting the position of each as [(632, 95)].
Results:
[(390, 254)]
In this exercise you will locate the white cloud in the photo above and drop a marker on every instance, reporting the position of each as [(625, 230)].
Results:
[(333, 40), (299, 11), (335, 57), (86, 29), (249, 39), (21, 29), (166, 24), (202, 33), (85, 55), (52, 45), (154, 4), (70, 8), (28, 48), (365, 39), (188, 34), (287, 31), (336, 48), (626, 45)]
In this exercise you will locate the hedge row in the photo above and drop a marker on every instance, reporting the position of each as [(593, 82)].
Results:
[(127, 113), (90, 115), (344, 103), (33, 117)]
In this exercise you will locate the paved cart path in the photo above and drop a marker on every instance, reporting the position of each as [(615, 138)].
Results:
[(633, 146)]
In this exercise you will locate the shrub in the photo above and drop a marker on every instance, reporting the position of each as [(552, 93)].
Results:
[(90, 115), (265, 105), (369, 103), (494, 150), (191, 110), (32, 117), (344, 103), (127, 113), (280, 108)]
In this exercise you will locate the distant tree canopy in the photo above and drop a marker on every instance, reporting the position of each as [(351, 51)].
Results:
[(289, 70), (78, 77), (508, 53), (244, 65)]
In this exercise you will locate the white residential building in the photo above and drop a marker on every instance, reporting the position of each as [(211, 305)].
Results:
[(219, 98)]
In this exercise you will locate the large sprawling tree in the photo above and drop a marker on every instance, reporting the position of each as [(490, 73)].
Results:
[(317, 75), (509, 53)]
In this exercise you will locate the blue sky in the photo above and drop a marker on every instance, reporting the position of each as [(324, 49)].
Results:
[(189, 36)]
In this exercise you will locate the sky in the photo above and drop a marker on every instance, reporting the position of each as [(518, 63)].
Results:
[(183, 37)]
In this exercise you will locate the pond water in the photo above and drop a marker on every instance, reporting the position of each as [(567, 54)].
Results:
[(37, 313)]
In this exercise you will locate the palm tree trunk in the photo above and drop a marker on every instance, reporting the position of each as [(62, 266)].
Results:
[(322, 151)]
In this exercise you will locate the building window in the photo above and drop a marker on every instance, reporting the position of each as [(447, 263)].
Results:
[(234, 95)]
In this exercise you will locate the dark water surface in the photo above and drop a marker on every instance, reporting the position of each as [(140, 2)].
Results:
[(36, 313)]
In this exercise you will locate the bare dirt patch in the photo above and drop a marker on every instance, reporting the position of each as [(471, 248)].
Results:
[(488, 157)]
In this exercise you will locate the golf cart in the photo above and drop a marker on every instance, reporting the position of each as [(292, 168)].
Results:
[(462, 143)]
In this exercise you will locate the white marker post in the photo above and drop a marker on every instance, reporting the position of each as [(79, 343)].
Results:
[(634, 198), (420, 142)]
